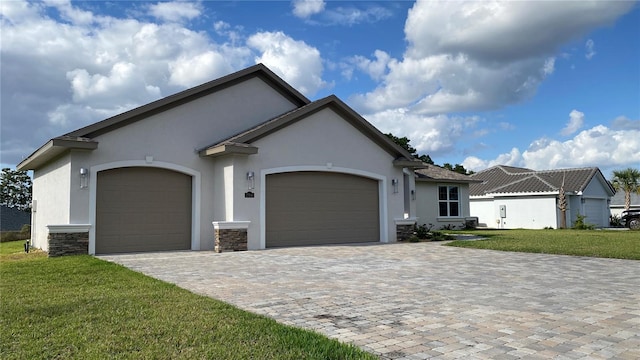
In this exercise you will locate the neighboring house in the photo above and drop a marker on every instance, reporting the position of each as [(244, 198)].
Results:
[(241, 162), (617, 203), (12, 219), (442, 197), (511, 197)]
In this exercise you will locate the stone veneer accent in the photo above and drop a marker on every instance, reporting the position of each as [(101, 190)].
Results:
[(230, 235), (68, 240), (404, 229)]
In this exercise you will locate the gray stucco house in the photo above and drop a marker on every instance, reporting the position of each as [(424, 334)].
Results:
[(442, 197), (241, 162)]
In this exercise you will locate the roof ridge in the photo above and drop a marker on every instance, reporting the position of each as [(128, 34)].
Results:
[(544, 181), (514, 182), (186, 95)]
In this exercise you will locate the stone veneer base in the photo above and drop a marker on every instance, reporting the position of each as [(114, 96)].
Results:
[(404, 229), (230, 236), (61, 244)]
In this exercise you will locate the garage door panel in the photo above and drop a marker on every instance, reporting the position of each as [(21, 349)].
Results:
[(310, 208), (142, 209)]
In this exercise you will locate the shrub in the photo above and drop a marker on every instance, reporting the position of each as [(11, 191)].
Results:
[(422, 231), (580, 224), (615, 221), (7, 236), (26, 229)]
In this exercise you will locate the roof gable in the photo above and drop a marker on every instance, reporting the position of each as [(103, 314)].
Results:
[(191, 94), (244, 139), (511, 180), (83, 138)]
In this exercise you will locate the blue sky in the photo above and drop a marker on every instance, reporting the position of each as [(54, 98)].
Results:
[(538, 84)]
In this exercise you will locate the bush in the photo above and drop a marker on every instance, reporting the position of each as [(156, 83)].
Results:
[(422, 231), (615, 221), (580, 224), (7, 236)]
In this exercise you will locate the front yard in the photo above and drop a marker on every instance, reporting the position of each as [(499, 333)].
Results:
[(80, 307), (592, 243)]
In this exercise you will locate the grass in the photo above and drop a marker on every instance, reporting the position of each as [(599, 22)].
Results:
[(592, 243), (80, 307)]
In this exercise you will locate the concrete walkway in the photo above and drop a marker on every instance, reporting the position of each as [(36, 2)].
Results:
[(425, 300)]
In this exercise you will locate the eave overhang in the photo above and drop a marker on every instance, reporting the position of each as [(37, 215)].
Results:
[(445, 180), (230, 148), (409, 163), (54, 148)]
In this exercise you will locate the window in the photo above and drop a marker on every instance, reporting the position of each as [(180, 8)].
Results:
[(448, 201)]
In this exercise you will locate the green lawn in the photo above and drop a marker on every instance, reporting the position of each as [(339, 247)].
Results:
[(80, 307), (593, 243)]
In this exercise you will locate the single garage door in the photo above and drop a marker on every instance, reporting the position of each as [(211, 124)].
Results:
[(142, 209), (594, 210), (314, 208)]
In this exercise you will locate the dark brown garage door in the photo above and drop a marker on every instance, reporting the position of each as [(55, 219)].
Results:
[(142, 209), (314, 208)]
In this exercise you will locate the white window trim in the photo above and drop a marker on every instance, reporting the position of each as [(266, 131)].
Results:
[(459, 216)]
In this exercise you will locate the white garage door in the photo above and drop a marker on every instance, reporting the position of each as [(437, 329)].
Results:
[(142, 209), (314, 208)]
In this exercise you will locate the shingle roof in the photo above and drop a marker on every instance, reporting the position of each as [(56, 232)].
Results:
[(437, 173), (507, 179)]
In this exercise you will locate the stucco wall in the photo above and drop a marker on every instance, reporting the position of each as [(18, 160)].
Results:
[(323, 141), (427, 204), (170, 140), (528, 212), (52, 207), (484, 210)]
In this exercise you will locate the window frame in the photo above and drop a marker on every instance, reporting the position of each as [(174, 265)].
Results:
[(448, 201)]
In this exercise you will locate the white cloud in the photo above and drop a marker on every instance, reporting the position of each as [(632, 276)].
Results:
[(191, 70), (176, 11), (576, 120), (70, 13), (377, 68), (296, 62), (454, 63), (597, 146), (590, 52), (351, 15), (432, 135), (306, 8)]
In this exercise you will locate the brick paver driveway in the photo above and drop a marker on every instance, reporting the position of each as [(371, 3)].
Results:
[(424, 300)]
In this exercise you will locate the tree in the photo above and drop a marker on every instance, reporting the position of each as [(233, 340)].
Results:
[(404, 143), (15, 189), (562, 205), (627, 180), (457, 168)]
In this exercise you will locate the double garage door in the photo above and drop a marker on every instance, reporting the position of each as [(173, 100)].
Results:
[(142, 209), (149, 209), (314, 208)]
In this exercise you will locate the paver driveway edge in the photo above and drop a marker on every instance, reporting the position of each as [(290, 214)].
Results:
[(424, 300)]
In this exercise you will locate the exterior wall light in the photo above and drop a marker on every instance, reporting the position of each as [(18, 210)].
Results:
[(251, 181), (413, 194), (84, 177), (394, 183)]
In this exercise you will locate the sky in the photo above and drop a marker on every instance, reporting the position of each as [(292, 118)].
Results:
[(535, 84)]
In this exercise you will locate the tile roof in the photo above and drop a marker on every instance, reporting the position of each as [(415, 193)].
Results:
[(507, 179), (437, 173), (618, 199)]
